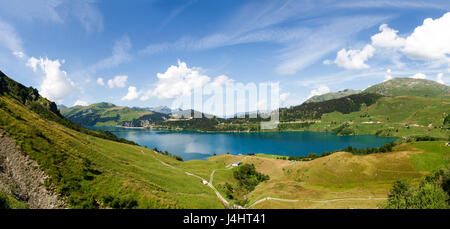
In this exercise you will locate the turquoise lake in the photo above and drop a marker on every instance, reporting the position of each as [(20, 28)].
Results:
[(199, 145)]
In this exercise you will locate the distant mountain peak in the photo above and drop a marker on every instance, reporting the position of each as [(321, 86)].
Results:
[(410, 87), (163, 109), (332, 95)]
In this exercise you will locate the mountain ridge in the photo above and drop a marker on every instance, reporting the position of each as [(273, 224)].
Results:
[(332, 95), (410, 87), (108, 114), (84, 167)]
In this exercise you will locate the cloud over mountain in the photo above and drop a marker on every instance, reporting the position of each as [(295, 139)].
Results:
[(56, 84)]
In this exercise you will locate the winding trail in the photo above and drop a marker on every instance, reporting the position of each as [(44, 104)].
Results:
[(227, 204), (211, 177), (224, 201), (221, 198), (322, 201)]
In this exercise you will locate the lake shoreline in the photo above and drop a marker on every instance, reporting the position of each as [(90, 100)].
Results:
[(269, 131), (194, 144)]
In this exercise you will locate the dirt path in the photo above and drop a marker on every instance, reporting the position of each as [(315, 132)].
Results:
[(211, 177), (224, 201), (227, 204), (323, 201), (221, 198)]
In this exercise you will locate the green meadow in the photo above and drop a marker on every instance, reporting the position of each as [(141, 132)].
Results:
[(389, 116), (92, 172)]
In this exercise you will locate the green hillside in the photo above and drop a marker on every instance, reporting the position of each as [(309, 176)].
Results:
[(388, 116), (10, 202), (306, 111), (90, 171), (362, 113), (315, 110), (332, 95), (339, 180), (108, 114), (407, 107), (410, 87), (398, 107)]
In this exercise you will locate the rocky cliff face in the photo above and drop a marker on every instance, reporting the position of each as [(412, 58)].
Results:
[(20, 176)]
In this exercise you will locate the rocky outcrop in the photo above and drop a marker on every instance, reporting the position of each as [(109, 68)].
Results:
[(21, 177)]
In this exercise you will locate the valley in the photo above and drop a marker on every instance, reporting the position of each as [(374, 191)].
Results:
[(421, 110), (96, 169)]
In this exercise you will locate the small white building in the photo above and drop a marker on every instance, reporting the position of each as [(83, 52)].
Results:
[(447, 144), (236, 163), (205, 182)]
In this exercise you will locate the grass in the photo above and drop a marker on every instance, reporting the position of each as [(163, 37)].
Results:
[(104, 114), (435, 155), (333, 181), (9, 202), (270, 156), (93, 172), (391, 116), (388, 116)]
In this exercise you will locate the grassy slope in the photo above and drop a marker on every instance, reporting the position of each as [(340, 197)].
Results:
[(332, 95), (132, 172), (340, 175), (9, 202), (104, 111), (433, 156), (388, 115), (126, 172), (90, 170), (410, 87)]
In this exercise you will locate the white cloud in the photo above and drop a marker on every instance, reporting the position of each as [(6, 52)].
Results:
[(117, 81), (132, 94), (178, 81), (81, 103), (419, 76), (120, 54), (57, 11), (56, 83), (146, 95), (430, 40), (183, 79), (221, 80), (388, 75), (321, 41), (100, 81), (319, 91), (440, 79), (19, 54), (284, 96), (354, 59), (32, 63), (327, 62), (387, 38), (301, 45), (221, 96), (401, 4), (10, 40), (87, 14)]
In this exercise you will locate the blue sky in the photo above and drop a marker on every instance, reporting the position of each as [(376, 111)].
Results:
[(90, 51)]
